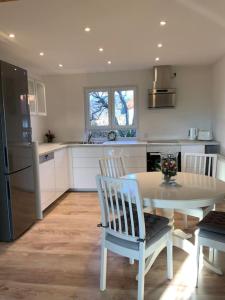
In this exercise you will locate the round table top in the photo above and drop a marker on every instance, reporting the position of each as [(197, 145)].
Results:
[(190, 190)]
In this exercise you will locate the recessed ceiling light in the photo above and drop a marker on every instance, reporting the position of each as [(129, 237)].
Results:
[(60, 65), (109, 62), (87, 29), (157, 59), (41, 53), (12, 35), (159, 45), (162, 23), (100, 49)]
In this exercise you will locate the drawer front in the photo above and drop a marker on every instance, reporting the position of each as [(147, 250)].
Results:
[(89, 151), (193, 149), (85, 162), (136, 162), (125, 151), (85, 178), (135, 170), (163, 148)]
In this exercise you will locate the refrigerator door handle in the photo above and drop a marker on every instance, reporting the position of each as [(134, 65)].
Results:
[(8, 189), (6, 158)]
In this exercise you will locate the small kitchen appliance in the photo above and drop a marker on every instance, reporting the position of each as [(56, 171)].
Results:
[(193, 133), (205, 135)]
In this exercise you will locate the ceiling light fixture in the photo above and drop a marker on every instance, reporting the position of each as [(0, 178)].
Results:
[(87, 29), (100, 49), (157, 59), (109, 62), (60, 65), (159, 45), (41, 53), (12, 35), (162, 23)]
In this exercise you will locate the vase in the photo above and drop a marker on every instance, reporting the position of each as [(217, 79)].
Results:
[(169, 166)]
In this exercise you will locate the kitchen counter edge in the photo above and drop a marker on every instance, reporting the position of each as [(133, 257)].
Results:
[(46, 148)]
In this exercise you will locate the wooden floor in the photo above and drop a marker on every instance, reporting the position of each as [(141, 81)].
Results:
[(58, 259)]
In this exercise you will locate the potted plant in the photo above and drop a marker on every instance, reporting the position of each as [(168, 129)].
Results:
[(50, 136)]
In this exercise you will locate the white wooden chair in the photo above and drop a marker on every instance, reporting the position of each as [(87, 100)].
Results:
[(112, 166), (203, 164), (130, 233), (211, 233)]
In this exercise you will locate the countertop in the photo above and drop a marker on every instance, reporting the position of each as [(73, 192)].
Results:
[(50, 147)]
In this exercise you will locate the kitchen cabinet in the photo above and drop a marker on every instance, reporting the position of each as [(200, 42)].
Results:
[(53, 176), (85, 166), (32, 97), (37, 97), (134, 157), (47, 180), (41, 99), (61, 172), (85, 162)]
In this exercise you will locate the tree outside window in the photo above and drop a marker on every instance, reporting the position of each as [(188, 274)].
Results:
[(111, 108)]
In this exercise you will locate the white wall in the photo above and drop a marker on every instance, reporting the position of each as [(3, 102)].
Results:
[(65, 102), (218, 102), (39, 128)]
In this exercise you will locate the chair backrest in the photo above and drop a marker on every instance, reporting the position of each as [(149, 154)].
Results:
[(200, 163), (121, 207), (112, 166)]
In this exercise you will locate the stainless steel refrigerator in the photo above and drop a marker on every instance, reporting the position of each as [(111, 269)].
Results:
[(17, 185)]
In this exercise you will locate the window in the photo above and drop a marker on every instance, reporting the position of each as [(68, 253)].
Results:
[(111, 108)]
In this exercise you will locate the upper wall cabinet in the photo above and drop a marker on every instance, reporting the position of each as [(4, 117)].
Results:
[(32, 96), (36, 97)]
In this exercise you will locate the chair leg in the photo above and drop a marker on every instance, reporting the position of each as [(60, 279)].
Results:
[(169, 249), (141, 275), (185, 218), (198, 252), (131, 261), (103, 267), (211, 255)]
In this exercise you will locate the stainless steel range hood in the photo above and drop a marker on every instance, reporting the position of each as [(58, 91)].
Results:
[(162, 94)]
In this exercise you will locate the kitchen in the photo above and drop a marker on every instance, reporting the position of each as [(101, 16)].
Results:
[(61, 85)]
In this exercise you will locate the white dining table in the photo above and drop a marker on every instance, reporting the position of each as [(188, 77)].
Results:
[(189, 191)]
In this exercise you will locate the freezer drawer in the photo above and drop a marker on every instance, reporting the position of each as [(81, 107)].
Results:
[(21, 192)]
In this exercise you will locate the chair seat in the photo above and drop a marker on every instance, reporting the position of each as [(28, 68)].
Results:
[(153, 225), (218, 237), (135, 245), (213, 222)]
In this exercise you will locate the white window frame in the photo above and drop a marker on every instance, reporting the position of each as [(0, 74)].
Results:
[(112, 125)]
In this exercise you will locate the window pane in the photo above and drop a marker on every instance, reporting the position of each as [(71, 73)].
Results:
[(124, 107), (99, 108)]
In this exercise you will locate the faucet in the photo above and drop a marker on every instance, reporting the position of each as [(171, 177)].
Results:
[(89, 138)]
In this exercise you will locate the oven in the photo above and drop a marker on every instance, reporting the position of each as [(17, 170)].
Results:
[(154, 156)]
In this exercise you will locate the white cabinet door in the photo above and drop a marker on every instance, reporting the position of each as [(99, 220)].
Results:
[(41, 98), (130, 151), (32, 100), (85, 178), (85, 166), (47, 183), (61, 171), (193, 149)]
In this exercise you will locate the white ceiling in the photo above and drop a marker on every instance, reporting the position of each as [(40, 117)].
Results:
[(128, 30)]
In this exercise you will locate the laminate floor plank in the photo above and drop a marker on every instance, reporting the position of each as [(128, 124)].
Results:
[(58, 259)]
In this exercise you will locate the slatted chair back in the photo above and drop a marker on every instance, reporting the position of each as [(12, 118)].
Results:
[(112, 166), (128, 223), (200, 163)]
